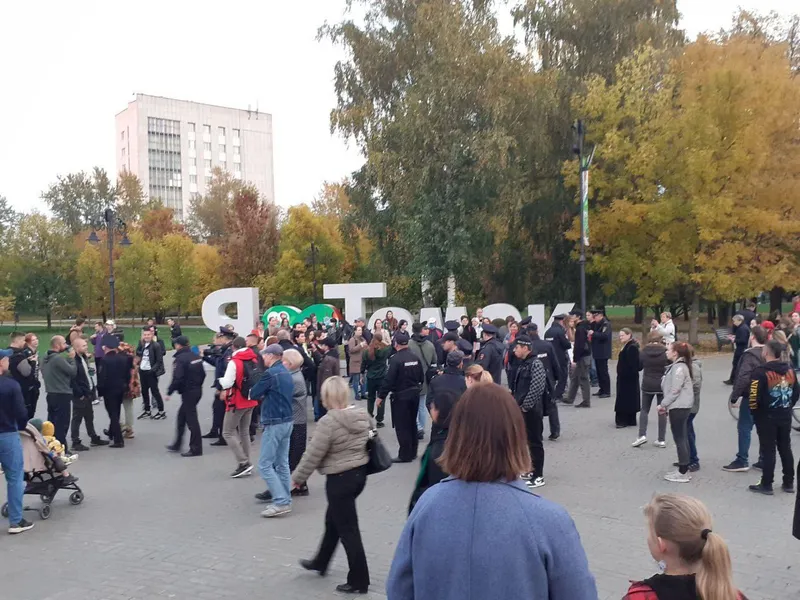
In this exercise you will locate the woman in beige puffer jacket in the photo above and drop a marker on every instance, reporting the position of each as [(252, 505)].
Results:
[(338, 449)]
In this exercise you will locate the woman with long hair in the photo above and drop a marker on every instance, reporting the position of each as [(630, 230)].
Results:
[(653, 362), (627, 402), (466, 533), (389, 322), (678, 389), (356, 346), (376, 365), (697, 564), (338, 450)]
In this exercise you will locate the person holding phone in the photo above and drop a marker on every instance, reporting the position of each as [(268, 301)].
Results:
[(58, 369)]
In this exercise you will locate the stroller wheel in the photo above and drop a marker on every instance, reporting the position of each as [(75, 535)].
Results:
[(45, 498), (4, 510), (44, 512), (76, 498)]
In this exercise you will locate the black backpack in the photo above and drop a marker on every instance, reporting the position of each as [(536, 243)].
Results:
[(253, 371)]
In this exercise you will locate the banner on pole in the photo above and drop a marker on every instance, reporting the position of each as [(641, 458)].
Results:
[(585, 204)]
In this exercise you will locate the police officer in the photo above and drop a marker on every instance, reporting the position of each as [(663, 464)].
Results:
[(530, 382), (188, 375), (600, 337), (557, 336), (218, 355), (404, 381), (490, 355), (544, 352)]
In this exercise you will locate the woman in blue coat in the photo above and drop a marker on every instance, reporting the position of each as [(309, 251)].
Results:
[(480, 533)]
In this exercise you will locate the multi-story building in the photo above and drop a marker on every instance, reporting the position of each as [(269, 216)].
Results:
[(172, 145)]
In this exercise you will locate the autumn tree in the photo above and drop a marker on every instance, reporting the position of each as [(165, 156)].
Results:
[(206, 221), (92, 279), (79, 199), (177, 272), (695, 185), (294, 274), (41, 259), (8, 218), (249, 247), (131, 201), (7, 306), (208, 274), (159, 222), (135, 285)]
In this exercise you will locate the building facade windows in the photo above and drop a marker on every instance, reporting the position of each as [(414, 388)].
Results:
[(207, 129), (207, 147), (164, 162), (191, 126), (207, 163)]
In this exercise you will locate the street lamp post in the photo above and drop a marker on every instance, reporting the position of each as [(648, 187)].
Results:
[(111, 223), (584, 162), (314, 268)]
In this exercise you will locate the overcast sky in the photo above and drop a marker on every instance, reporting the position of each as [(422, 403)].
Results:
[(69, 67)]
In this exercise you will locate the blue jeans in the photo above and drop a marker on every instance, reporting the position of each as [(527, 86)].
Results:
[(745, 429), (273, 462), (693, 459), (422, 412), (13, 465), (319, 410), (358, 387)]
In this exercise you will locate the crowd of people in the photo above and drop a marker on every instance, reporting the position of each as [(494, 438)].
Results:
[(487, 388)]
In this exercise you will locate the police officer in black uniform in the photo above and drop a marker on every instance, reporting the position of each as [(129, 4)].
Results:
[(544, 352), (601, 336), (404, 381), (188, 375), (557, 336), (490, 355)]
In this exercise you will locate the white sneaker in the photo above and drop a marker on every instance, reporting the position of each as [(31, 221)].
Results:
[(640, 441), (276, 511), (660, 444), (678, 477), (535, 483)]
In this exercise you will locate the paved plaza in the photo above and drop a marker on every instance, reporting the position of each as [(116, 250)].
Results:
[(155, 525)]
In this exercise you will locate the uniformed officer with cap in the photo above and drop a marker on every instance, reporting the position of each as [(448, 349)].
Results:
[(557, 336), (545, 353), (404, 381), (490, 355)]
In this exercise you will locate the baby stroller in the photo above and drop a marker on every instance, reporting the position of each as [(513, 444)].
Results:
[(44, 474)]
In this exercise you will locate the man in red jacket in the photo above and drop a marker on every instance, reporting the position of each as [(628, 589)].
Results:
[(235, 386)]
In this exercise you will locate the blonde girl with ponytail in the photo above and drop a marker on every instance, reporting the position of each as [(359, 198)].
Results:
[(695, 559)]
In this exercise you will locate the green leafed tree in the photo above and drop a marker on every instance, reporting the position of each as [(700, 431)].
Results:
[(42, 258), (177, 273), (79, 199), (92, 279), (134, 283), (206, 221), (131, 202)]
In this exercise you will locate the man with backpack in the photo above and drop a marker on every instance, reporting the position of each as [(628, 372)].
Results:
[(244, 370)]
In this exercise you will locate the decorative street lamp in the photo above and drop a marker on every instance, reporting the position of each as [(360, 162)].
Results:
[(312, 260), (111, 223), (584, 162)]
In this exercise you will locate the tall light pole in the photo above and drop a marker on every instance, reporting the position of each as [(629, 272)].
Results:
[(584, 162), (111, 223), (313, 262)]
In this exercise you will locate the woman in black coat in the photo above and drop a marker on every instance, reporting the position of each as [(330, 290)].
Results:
[(430, 473), (627, 404)]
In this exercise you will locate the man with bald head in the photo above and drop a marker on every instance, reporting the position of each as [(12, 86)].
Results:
[(58, 370), (84, 393)]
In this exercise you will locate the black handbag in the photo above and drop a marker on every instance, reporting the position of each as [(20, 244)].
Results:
[(379, 458)]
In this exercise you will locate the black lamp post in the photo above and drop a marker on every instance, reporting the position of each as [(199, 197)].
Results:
[(312, 260), (584, 162), (111, 223)]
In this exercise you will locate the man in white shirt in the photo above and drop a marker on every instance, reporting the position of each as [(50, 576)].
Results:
[(666, 328)]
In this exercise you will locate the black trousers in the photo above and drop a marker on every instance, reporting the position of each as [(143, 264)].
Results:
[(254, 420), (218, 415), (150, 384), (534, 426), (31, 400), (187, 418), (297, 444), (603, 378), (113, 404), (341, 523), (373, 385), (737, 354), (563, 378), (404, 421), (552, 418), (774, 431), (59, 407), (82, 411)]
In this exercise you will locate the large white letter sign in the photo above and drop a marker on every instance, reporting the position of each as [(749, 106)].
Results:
[(354, 295), (401, 314), (246, 301), (501, 311)]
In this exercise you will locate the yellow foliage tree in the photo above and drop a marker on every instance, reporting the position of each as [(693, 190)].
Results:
[(696, 178), (92, 274), (177, 272), (208, 269)]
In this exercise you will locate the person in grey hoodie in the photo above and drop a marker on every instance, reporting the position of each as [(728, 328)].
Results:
[(339, 450), (293, 361), (652, 362), (58, 371), (425, 351), (678, 389)]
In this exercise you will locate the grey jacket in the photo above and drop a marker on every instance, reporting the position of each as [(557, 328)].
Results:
[(697, 383), (425, 351), (677, 386), (58, 372), (299, 398), (339, 444)]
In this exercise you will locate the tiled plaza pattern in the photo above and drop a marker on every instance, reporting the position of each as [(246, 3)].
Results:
[(155, 525)]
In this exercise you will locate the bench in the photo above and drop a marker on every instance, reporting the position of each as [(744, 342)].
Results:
[(722, 334)]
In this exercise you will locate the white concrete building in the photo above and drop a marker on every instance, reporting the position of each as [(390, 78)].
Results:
[(171, 145)]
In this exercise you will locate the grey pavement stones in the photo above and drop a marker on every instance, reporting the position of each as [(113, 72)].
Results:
[(158, 526)]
